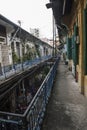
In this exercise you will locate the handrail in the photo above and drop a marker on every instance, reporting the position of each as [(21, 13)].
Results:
[(33, 116), (41, 87), (8, 71)]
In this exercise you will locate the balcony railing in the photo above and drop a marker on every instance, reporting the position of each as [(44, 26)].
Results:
[(34, 114), (10, 70)]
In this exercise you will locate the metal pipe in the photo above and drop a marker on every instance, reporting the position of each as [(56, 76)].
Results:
[(53, 35)]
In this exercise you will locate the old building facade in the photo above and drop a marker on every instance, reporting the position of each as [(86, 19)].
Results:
[(17, 45), (76, 40)]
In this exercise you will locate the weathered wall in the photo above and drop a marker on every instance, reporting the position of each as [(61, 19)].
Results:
[(76, 16)]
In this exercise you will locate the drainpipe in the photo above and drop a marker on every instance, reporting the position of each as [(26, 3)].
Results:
[(53, 36)]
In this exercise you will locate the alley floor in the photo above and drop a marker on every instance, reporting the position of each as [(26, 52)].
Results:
[(67, 108)]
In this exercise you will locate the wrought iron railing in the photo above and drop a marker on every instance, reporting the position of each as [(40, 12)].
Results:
[(33, 116)]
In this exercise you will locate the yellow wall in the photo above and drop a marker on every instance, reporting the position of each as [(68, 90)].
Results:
[(77, 12), (85, 76), (80, 24), (85, 85), (82, 80)]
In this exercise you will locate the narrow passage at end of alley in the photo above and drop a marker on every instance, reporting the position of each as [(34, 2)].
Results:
[(67, 108)]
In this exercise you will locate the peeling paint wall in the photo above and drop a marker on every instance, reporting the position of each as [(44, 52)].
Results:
[(76, 17)]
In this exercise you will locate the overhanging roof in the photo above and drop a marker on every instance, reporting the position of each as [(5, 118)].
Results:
[(24, 34), (60, 8)]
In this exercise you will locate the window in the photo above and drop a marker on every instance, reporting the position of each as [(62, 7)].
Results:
[(2, 40)]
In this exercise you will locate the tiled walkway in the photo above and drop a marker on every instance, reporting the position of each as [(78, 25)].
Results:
[(67, 108)]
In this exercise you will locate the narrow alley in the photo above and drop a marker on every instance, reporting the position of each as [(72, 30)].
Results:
[(43, 65), (67, 108)]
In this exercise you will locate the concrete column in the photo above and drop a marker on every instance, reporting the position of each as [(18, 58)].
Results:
[(15, 50), (21, 49), (81, 49)]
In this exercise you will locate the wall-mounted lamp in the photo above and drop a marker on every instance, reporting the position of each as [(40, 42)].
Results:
[(49, 5)]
